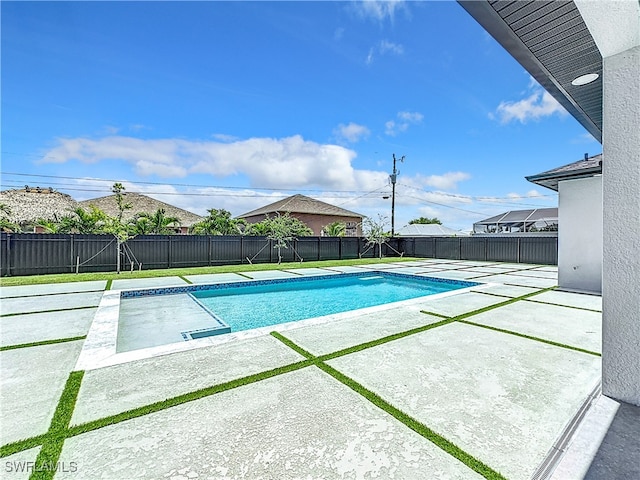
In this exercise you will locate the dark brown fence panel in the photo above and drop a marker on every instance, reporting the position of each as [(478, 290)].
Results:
[(223, 250), (542, 250), (93, 253), (258, 250), (32, 254), (150, 250), (473, 248), (424, 247), (350, 247), (501, 249), (329, 248), (448, 248)]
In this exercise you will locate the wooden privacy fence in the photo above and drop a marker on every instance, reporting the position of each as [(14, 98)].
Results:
[(35, 254)]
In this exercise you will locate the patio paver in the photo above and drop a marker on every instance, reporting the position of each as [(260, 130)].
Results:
[(32, 382), (459, 304), (215, 278), (521, 280), (506, 290), (51, 288), (49, 302), (270, 274), (570, 326), (340, 334), (127, 284), (111, 390), (276, 428), (311, 271), (592, 302), (36, 327), (501, 398), (452, 274)]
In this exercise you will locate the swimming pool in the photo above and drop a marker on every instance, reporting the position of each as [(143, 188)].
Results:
[(248, 305), (162, 316)]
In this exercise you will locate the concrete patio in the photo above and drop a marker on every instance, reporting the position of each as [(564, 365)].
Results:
[(499, 372)]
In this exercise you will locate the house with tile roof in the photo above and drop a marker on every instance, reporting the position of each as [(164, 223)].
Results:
[(580, 222), (143, 204), (314, 213)]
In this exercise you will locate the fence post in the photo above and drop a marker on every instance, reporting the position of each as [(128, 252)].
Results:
[(169, 251), (340, 248), (71, 255), (241, 249), (209, 253), (8, 254), (518, 254), (486, 247), (459, 248)]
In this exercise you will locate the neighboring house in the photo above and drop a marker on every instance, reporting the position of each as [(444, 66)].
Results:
[(429, 230), (579, 187), (143, 204), (314, 213), (30, 204), (520, 221)]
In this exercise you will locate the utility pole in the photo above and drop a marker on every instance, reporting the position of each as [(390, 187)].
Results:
[(393, 178)]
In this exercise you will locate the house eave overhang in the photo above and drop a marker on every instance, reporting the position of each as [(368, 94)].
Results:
[(551, 181), (505, 33)]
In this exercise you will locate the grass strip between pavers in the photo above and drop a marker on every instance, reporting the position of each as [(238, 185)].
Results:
[(184, 279), (47, 460), (184, 398), (566, 306), (42, 342), (48, 311), (109, 283), (530, 337), (418, 427)]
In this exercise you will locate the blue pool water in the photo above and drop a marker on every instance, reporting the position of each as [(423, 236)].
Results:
[(247, 306)]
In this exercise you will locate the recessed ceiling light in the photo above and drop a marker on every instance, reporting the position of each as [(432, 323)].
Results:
[(584, 79)]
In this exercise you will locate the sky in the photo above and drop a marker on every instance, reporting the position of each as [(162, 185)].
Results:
[(236, 105)]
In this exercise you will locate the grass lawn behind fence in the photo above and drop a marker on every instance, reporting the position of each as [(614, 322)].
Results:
[(177, 272)]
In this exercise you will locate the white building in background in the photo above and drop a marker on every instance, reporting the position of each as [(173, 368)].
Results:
[(579, 187), (429, 230)]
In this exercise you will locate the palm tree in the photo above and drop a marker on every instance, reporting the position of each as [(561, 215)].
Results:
[(7, 225), (161, 224), (335, 229), (218, 222), (141, 224)]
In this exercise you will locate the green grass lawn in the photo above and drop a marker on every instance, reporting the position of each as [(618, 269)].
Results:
[(171, 272)]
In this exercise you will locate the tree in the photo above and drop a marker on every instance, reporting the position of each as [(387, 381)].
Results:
[(425, 220), (84, 221), (117, 189), (218, 222), (375, 233), (161, 224), (281, 229), (6, 225), (140, 225), (335, 229)]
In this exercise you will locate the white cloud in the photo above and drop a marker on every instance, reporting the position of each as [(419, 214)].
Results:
[(390, 47), (405, 119), (538, 104), (383, 48), (447, 181), (352, 132), (223, 137), (378, 10), (290, 162)]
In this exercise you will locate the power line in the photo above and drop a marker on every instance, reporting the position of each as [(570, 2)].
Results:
[(176, 184)]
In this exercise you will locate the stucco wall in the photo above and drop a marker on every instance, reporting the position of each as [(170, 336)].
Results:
[(621, 252), (580, 234)]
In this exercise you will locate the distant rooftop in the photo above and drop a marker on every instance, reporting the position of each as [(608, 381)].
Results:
[(582, 168), (302, 204), (428, 230), (518, 221)]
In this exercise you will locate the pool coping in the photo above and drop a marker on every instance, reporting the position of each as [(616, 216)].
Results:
[(100, 346)]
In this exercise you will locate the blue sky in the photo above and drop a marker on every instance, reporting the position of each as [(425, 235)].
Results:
[(238, 104)]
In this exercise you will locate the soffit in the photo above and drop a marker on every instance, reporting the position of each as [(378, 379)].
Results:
[(552, 42)]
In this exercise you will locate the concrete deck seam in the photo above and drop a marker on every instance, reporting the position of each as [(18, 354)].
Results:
[(565, 306), (43, 342), (4, 315), (51, 294), (530, 337)]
